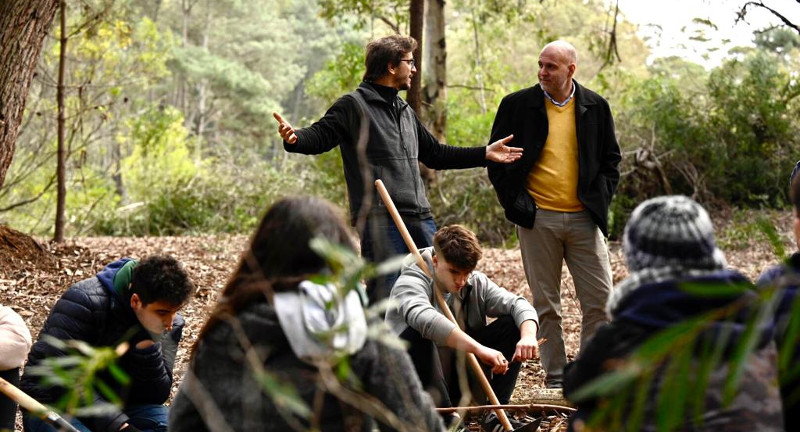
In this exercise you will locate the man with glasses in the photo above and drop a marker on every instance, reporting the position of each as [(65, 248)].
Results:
[(382, 138)]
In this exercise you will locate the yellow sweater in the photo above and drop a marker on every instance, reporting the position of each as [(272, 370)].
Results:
[(553, 181)]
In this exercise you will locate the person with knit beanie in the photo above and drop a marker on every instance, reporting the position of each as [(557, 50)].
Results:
[(679, 324), (784, 278)]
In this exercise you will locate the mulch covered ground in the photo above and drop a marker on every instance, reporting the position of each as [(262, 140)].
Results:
[(33, 274)]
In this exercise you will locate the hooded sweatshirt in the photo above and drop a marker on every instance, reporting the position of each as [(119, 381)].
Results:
[(224, 388), (415, 306)]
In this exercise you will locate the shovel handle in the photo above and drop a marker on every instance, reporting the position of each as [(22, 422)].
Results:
[(473, 362), (34, 407)]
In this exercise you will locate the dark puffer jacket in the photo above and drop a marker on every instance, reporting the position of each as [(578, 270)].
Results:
[(786, 279), (221, 390), (644, 308), (94, 312)]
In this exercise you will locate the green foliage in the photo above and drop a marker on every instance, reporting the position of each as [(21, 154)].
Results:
[(677, 365), (81, 373), (340, 75), (743, 231)]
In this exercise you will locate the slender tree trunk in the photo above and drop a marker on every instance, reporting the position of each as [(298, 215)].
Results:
[(434, 88), (61, 177), (478, 63), (414, 94), (416, 23), (23, 27), (200, 120)]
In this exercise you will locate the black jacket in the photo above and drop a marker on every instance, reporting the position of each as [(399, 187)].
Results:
[(93, 312), (397, 140), (224, 377), (524, 114)]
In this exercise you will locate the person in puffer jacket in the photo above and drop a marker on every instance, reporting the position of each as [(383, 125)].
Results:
[(128, 301), (285, 350), (784, 279), (691, 339)]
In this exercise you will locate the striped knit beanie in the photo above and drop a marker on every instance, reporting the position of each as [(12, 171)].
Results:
[(671, 231)]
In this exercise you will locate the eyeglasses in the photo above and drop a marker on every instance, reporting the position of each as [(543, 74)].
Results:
[(411, 62)]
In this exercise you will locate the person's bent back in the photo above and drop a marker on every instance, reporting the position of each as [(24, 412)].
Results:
[(785, 279), (271, 355), (678, 286), (128, 301)]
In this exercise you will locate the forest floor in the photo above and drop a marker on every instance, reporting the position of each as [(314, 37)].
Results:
[(34, 274)]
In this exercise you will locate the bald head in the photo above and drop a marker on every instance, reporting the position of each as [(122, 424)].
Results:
[(557, 63), (563, 49)]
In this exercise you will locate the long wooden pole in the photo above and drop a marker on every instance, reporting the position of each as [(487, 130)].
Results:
[(473, 362), (34, 407)]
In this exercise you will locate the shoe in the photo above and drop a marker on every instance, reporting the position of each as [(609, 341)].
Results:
[(491, 423), (453, 423)]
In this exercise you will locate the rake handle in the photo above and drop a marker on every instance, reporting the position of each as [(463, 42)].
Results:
[(473, 362), (34, 407)]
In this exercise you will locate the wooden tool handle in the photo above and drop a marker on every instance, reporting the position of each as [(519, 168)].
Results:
[(34, 407), (473, 362)]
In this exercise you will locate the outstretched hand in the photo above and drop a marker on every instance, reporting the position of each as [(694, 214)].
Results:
[(498, 151), (285, 129)]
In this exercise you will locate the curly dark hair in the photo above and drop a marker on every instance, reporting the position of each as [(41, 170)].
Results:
[(161, 278), (385, 51)]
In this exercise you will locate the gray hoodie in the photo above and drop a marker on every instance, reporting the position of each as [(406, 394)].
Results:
[(415, 305)]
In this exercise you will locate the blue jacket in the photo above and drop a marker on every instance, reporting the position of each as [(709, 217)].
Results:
[(643, 312), (786, 278), (93, 311)]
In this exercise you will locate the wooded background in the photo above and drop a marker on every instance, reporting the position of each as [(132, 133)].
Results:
[(162, 109)]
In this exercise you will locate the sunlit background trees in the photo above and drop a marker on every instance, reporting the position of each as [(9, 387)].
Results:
[(168, 127)]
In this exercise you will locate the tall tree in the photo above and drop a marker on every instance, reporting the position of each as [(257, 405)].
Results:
[(434, 87), (23, 27), (61, 199)]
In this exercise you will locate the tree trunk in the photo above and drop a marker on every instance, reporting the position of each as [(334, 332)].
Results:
[(414, 94), (434, 89), (61, 176), (23, 27), (416, 23)]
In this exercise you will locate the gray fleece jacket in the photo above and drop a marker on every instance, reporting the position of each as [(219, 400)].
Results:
[(415, 305)]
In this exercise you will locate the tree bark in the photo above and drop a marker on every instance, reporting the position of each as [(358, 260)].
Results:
[(414, 94), (61, 171), (416, 23), (434, 89), (23, 27)]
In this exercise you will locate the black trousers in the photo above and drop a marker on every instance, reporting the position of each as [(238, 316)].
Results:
[(440, 369), (8, 408)]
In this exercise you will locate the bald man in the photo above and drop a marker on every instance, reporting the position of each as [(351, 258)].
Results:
[(559, 192)]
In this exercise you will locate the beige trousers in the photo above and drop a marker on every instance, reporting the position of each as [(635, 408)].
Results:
[(576, 239)]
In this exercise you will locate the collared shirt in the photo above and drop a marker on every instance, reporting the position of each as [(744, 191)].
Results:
[(560, 104)]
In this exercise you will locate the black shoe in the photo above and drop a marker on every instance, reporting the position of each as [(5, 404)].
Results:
[(491, 423), (453, 423)]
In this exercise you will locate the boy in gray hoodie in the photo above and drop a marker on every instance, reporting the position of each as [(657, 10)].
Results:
[(472, 297)]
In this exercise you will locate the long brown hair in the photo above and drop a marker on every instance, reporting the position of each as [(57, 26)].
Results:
[(279, 255)]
